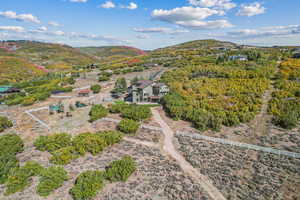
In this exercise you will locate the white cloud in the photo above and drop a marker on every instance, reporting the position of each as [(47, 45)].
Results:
[(191, 17), (43, 28), (160, 30), (20, 17), (108, 5), (12, 28), (221, 4), (196, 24), (265, 31), (144, 36), (58, 33), (251, 9), (79, 1), (183, 14), (131, 6), (53, 23)]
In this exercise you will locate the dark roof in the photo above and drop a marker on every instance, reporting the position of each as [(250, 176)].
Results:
[(143, 84), (159, 85)]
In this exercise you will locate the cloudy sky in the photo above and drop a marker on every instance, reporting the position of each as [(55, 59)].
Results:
[(150, 24)]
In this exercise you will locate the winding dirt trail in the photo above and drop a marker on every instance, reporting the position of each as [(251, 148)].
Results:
[(259, 124), (169, 148)]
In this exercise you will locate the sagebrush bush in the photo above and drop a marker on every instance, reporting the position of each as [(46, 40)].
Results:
[(64, 155), (5, 123), (120, 170), (19, 178), (89, 142), (87, 185), (7, 163), (51, 179), (136, 112), (96, 88), (128, 126), (11, 144), (53, 142), (97, 112), (111, 137)]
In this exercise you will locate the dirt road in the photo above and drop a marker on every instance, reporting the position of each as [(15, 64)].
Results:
[(169, 148)]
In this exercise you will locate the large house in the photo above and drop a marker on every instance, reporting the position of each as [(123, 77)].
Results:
[(146, 91)]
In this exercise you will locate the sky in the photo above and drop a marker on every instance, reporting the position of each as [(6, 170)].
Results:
[(151, 24)]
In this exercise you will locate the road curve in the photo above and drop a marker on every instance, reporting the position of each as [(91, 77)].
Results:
[(169, 148)]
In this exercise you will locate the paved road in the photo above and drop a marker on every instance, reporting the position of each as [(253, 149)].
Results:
[(169, 148)]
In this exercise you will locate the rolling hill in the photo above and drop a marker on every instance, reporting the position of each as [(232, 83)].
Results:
[(52, 56), (14, 69)]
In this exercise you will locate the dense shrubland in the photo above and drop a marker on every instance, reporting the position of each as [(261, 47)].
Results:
[(285, 104), (64, 148), (131, 111), (211, 95), (38, 89), (10, 145)]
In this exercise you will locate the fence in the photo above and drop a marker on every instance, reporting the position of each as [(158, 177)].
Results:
[(239, 144)]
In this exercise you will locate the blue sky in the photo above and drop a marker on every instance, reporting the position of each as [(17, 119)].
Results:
[(150, 24)]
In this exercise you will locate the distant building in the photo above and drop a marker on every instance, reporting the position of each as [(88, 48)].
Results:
[(146, 91), (8, 89), (84, 93), (239, 57)]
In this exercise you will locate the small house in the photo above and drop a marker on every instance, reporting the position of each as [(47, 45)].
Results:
[(146, 91), (239, 57), (84, 93), (8, 90)]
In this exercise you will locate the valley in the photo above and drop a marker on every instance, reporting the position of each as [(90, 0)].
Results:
[(170, 149)]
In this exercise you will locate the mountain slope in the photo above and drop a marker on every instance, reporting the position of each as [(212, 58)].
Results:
[(14, 69), (107, 53), (52, 56)]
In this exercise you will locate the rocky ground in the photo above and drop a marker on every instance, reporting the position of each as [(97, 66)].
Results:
[(244, 174)]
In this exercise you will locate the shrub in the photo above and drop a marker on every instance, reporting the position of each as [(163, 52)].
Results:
[(19, 178), (286, 120), (64, 155), (87, 185), (103, 78), (136, 112), (128, 126), (97, 112), (53, 142), (120, 170), (7, 163), (118, 107), (89, 142), (111, 137), (10, 144), (5, 123), (51, 179), (96, 89), (28, 101)]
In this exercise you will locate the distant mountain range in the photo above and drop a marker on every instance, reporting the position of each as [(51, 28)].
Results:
[(30, 58)]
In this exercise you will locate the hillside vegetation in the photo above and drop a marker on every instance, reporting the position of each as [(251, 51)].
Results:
[(13, 69), (55, 57)]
